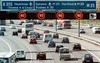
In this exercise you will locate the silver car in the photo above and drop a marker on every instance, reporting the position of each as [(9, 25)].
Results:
[(64, 53)]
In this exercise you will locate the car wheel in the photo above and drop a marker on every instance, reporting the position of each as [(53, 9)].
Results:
[(60, 59), (73, 49), (83, 62)]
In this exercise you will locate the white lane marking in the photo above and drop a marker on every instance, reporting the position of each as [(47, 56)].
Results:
[(92, 54), (29, 51), (26, 47), (10, 50)]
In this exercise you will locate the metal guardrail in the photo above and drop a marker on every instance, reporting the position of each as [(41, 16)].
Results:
[(94, 42)]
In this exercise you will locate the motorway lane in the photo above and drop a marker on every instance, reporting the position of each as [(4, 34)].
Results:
[(43, 47), (89, 34), (78, 54)]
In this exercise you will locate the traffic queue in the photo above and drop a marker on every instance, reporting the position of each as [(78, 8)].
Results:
[(47, 37)]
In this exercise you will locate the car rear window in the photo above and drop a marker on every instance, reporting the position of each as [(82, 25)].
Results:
[(64, 51), (48, 36), (88, 56)]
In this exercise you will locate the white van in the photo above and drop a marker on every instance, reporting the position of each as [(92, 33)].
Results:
[(96, 29), (20, 54), (47, 37)]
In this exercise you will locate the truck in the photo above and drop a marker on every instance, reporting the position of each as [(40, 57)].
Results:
[(66, 24), (7, 57), (26, 27)]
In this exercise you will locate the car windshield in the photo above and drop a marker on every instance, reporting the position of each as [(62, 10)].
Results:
[(59, 26), (65, 38), (29, 25), (67, 22), (4, 60), (20, 52), (97, 28), (64, 51), (49, 36), (88, 56)]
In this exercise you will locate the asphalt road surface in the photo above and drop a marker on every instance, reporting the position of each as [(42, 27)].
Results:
[(9, 43)]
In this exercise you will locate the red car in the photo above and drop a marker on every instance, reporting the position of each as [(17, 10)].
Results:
[(24, 36), (77, 46), (32, 40), (41, 56), (46, 31)]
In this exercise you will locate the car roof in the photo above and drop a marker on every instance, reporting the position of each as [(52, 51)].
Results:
[(20, 50), (64, 48), (77, 44)]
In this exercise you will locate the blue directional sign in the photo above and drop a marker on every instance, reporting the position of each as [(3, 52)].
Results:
[(17, 5), (65, 5), (49, 5)]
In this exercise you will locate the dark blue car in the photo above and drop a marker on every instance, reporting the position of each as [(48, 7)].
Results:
[(51, 43)]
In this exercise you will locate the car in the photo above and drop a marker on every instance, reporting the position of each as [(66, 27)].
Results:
[(37, 35), (11, 22), (82, 31), (77, 46), (58, 47), (59, 27), (51, 44), (50, 25), (24, 36), (64, 53), (20, 54), (32, 39), (31, 33), (44, 24), (55, 35), (46, 31), (88, 58), (41, 56), (19, 30), (12, 26), (90, 25), (21, 23), (96, 30), (1, 33), (3, 29), (39, 21), (47, 37), (65, 40), (15, 33), (34, 33)]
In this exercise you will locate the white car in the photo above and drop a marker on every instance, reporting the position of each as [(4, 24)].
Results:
[(64, 53), (59, 27), (31, 33), (20, 54), (12, 26), (96, 29), (47, 37), (90, 25)]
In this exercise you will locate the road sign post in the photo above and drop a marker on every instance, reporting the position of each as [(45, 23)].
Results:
[(56, 25), (78, 16)]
